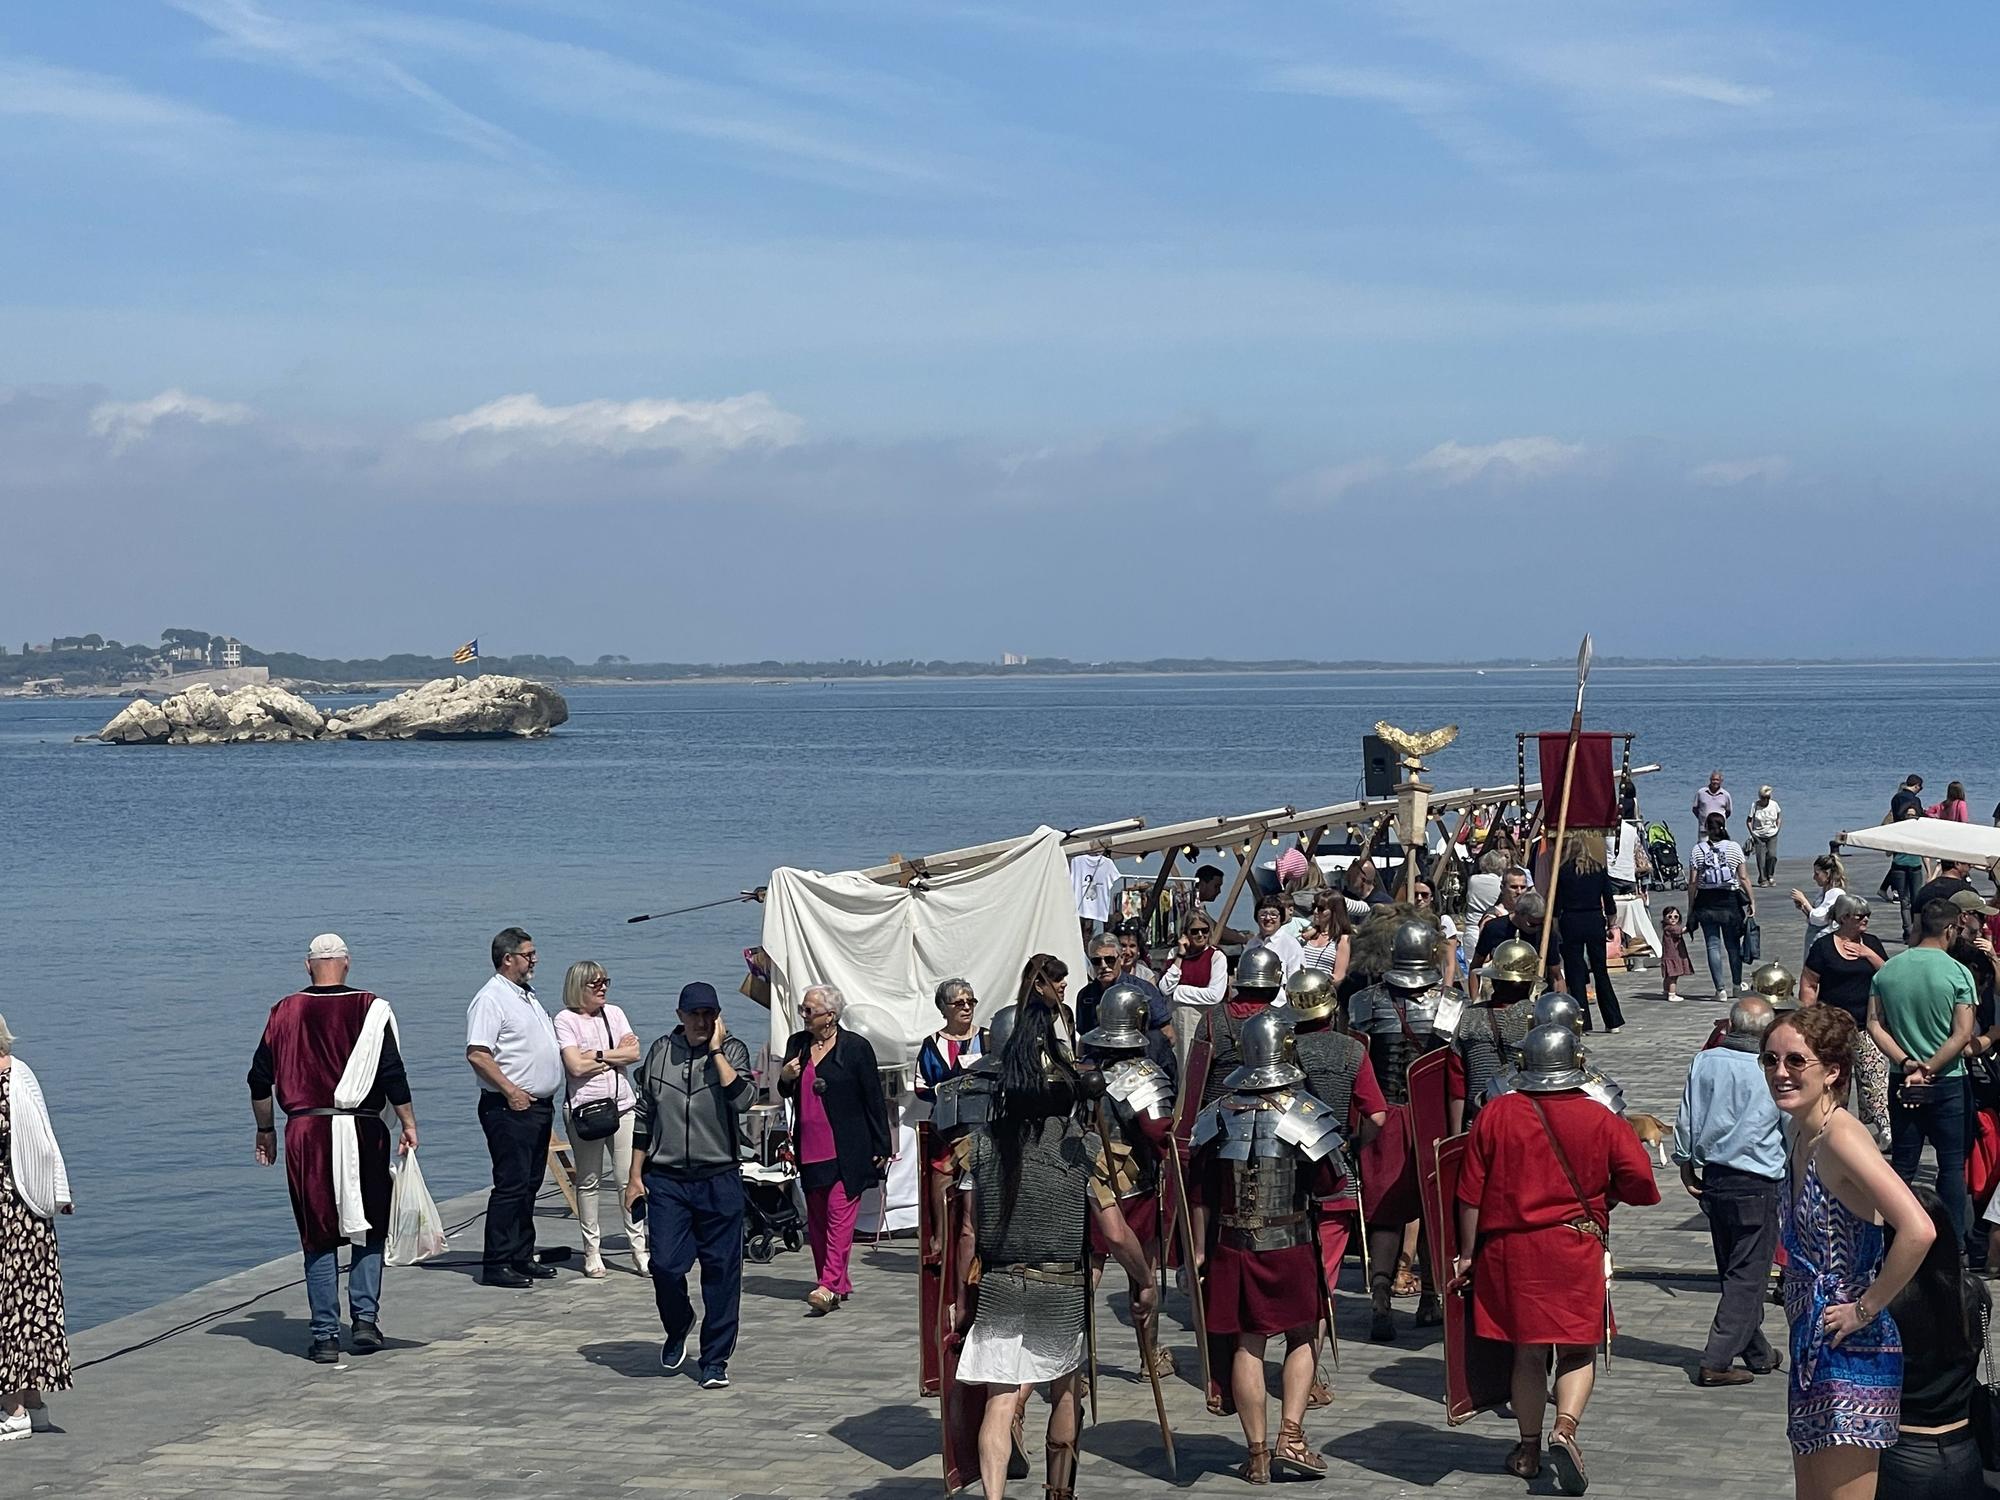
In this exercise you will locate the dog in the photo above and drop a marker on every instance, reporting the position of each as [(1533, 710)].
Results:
[(1653, 1131)]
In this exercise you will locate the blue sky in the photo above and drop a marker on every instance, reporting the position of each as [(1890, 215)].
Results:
[(886, 328)]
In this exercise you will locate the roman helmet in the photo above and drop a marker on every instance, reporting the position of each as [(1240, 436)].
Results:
[(1260, 968), (1774, 982), (998, 1029), (1551, 1060), (1311, 995), (1121, 1017), (1413, 956), (1513, 962), (1556, 1006), (1270, 1056)]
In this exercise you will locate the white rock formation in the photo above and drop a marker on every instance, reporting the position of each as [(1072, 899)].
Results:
[(449, 708), (456, 708)]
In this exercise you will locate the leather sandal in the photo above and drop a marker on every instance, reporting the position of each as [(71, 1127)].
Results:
[(1163, 1360), (1566, 1458), (1256, 1469), (1524, 1460), (1320, 1395), (1294, 1455), (1407, 1283)]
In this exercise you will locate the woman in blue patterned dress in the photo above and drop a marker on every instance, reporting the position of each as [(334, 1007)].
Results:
[(1845, 1394)]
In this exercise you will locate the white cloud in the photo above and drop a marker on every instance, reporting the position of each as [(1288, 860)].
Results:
[(648, 423), (30, 88), (1328, 485), (125, 422), (1512, 458), (1438, 106), (1714, 90), (1721, 473)]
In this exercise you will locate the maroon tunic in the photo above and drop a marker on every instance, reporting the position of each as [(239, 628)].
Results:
[(304, 1050), (1536, 1280)]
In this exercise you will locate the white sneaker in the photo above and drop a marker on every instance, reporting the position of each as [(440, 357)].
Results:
[(19, 1425)]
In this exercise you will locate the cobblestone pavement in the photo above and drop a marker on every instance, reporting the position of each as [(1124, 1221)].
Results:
[(557, 1390)]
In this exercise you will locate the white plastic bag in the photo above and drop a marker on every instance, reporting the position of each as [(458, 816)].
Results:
[(416, 1229)]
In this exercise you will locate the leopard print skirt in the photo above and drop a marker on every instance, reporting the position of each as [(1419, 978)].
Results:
[(34, 1353)]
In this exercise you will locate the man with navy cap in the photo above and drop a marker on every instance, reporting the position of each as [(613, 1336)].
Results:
[(692, 1091)]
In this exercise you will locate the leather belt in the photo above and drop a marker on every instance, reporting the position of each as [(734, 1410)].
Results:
[(1049, 1273), (308, 1114), (1262, 1221)]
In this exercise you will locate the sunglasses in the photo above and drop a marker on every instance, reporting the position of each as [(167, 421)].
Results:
[(597, 984), (965, 1000), (1794, 1062), (1198, 931)]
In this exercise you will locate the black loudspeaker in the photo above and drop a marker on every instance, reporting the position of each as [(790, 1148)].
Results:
[(1380, 767)]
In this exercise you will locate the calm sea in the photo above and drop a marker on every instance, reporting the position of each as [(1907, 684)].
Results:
[(156, 902)]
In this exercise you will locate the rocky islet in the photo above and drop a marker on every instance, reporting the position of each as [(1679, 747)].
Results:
[(446, 708)]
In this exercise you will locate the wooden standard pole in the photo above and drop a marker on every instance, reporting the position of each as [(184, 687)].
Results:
[(1562, 804)]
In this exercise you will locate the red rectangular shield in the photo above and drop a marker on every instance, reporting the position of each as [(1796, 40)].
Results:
[(1478, 1373), (1429, 1112)]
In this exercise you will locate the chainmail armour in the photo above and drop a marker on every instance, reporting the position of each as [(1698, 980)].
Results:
[(1331, 1062), (1226, 1056), (1034, 1282), (1488, 1036)]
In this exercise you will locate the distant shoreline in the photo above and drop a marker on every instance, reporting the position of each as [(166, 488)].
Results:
[(310, 687)]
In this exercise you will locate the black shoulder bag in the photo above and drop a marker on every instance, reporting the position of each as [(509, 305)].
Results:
[(598, 1119)]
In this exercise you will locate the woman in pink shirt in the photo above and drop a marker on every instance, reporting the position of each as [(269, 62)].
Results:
[(598, 1045), (843, 1133)]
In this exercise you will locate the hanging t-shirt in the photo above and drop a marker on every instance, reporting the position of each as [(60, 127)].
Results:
[(1091, 877)]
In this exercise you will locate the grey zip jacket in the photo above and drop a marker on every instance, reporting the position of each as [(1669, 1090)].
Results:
[(687, 1123)]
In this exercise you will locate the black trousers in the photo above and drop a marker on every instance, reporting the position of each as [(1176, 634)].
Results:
[(1944, 1467), (1742, 1211), (1584, 935), (518, 1142)]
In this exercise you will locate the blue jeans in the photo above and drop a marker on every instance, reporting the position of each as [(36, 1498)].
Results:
[(364, 1287), (1943, 1122), (1720, 919), (690, 1218)]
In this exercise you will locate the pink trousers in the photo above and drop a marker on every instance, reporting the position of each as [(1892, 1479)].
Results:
[(830, 1217)]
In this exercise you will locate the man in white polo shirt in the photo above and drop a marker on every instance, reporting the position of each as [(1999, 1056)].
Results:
[(511, 1044)]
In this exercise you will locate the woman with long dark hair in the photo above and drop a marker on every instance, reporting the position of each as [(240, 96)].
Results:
[(1586, 906), (1028, 1221), (1941, 1314)]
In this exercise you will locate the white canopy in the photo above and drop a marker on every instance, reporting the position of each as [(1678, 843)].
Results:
[(887, 946), (1934, 838)]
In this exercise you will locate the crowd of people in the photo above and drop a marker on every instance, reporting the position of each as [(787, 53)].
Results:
[(1237, 1123)]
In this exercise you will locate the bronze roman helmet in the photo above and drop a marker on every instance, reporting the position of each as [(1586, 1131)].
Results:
[(1311, 995), (1513, 962), (1774, 981)]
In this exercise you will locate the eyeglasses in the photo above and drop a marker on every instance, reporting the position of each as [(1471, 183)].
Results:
[(597, 984), (1794, 1062)]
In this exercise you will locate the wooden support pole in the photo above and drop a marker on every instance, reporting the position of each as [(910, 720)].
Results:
[(1242, 875)]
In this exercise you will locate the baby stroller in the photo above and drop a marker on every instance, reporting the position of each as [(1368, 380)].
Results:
[(1665, 856), (770, 1210)]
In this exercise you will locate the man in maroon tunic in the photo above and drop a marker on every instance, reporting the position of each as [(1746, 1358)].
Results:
[(1543, 1169), (306, 1047)]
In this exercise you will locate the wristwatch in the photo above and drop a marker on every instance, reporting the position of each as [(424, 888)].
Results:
[(599, 1054)]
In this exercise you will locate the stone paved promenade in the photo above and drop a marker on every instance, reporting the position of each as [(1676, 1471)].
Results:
[(557, 1391)]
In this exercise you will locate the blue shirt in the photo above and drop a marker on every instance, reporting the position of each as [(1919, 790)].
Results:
[(1727, 1118)]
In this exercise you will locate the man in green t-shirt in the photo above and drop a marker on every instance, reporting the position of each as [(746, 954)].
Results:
[(1922, 1010)]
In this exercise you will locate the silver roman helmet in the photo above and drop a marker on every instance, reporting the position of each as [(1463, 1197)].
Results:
[(1551, 1060), (1121, 1017), (1413, 957), (1554, 1007), (1311, 994), (1260, 969), (1270, 1056)]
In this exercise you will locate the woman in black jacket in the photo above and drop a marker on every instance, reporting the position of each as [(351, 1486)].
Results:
[(1586, 906), (842, 1133), (1940, 1314)]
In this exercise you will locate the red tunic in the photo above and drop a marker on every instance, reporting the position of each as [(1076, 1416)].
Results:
[(1535, 1280), (1141, 1210), (1257, 1291), (304, 1051)]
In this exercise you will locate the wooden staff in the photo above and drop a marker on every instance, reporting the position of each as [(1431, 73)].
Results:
[(1242, 874), (1562, 805)]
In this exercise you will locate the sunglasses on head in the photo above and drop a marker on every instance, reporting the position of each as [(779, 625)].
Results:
[(1795, 1062)]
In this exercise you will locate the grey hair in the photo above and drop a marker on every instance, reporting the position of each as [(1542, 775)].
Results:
[(6, 1039), (950, 988), (507, 942), (1846, 905), (1751, 1016), (1103, 940), (836, 1002), (1494, 862), (1532, 908)]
